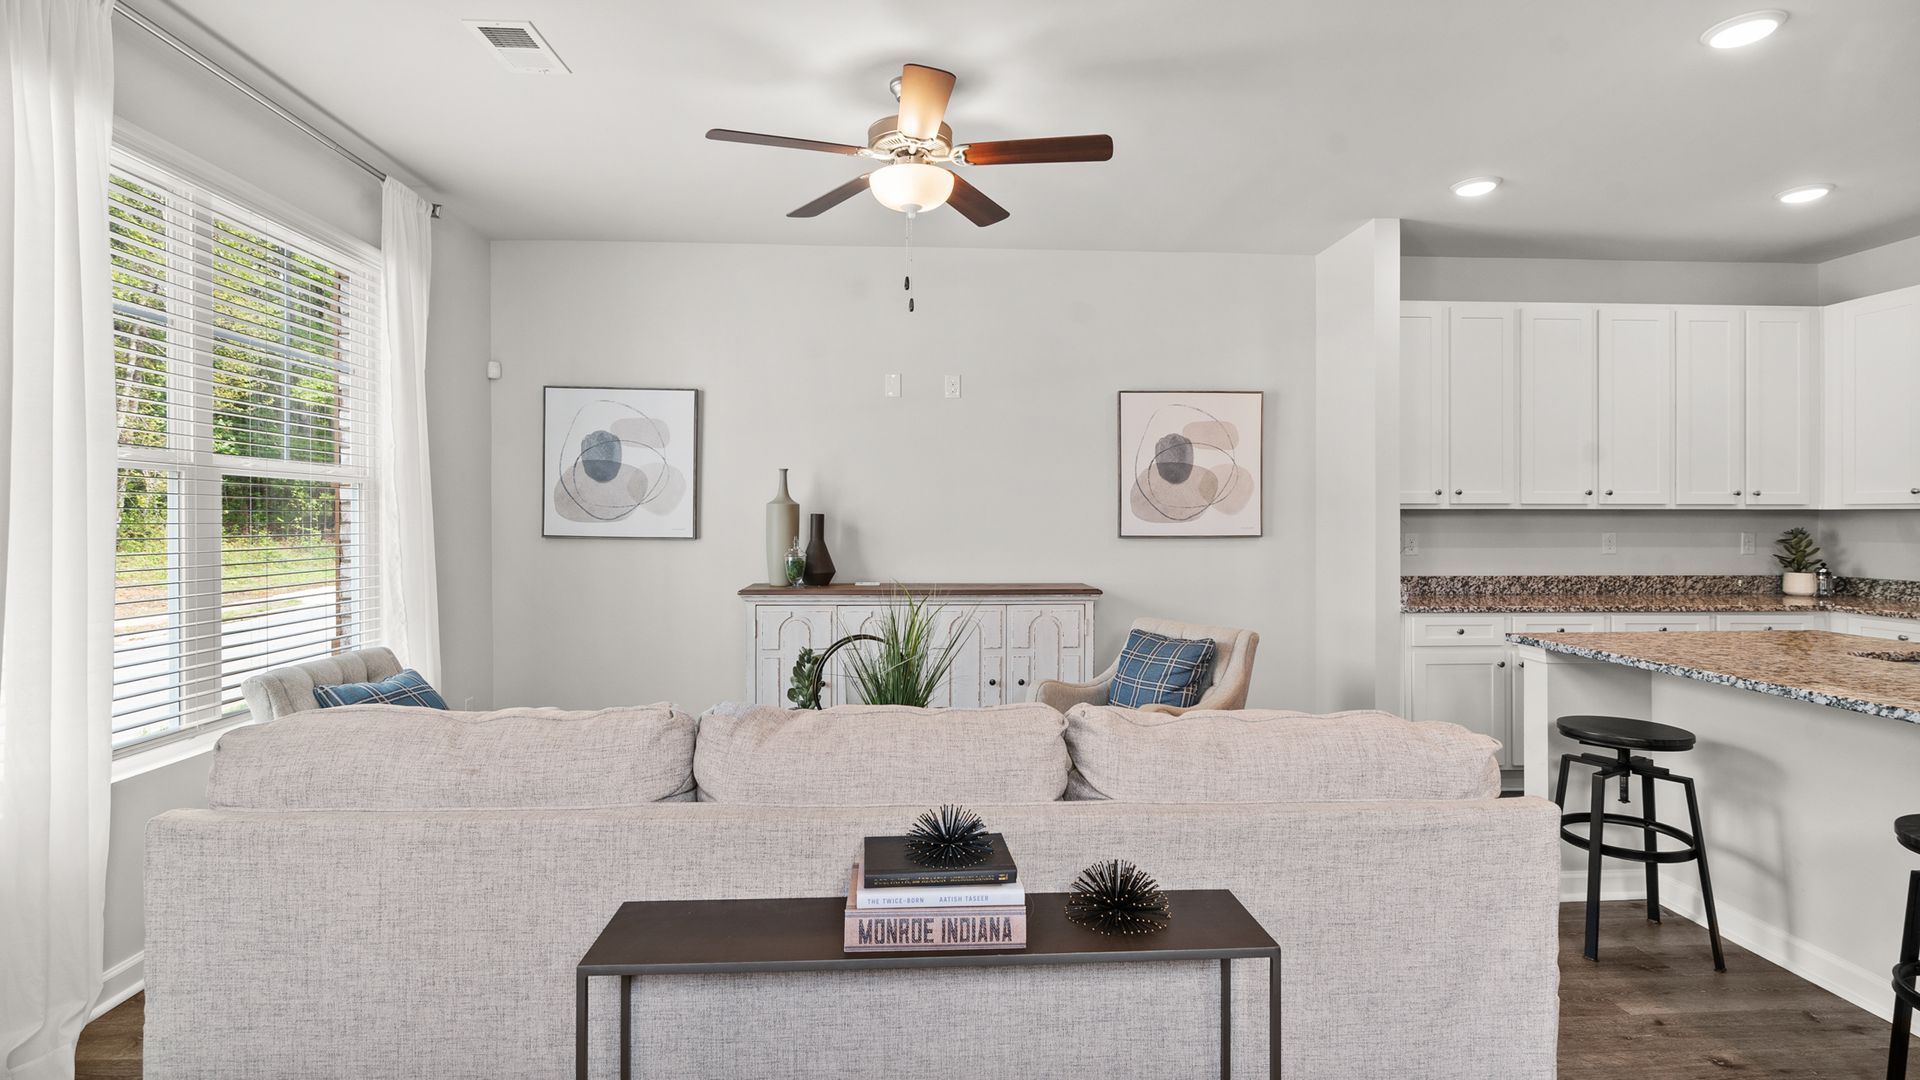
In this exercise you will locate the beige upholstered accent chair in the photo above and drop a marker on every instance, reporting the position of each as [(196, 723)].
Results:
[(279, 691), (1232, 670)]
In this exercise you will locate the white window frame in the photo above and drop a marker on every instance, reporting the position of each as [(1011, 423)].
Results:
[(194, 510)]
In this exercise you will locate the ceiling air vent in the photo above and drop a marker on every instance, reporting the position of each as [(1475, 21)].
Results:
[(519, 46)]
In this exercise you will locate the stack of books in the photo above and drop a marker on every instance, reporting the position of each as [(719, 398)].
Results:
[(897, 905)]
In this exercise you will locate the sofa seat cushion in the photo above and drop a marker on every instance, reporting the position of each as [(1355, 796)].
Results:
[(1256, 755), (881, 755), (387, 757)]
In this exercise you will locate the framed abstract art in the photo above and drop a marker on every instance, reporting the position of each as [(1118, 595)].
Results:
[(620, 462), (1190, 463)]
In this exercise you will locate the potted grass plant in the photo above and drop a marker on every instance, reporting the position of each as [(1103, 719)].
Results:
[(910, 654), (1799, 562)]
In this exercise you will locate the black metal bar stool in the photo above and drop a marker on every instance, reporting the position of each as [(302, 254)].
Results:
[(1623, 736), (1905, 997)]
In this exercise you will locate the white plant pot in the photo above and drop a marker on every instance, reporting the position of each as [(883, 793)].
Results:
[(1799, 584)]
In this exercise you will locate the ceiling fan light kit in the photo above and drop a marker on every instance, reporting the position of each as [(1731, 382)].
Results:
[(911, 187)]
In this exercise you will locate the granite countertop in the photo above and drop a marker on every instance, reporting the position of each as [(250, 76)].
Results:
[(1678, 593), (1806, 665)]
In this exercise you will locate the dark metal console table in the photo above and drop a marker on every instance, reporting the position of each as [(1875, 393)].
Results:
[(712, 937)]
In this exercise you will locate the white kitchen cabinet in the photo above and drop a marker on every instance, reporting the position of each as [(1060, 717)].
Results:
[(1557, 413), (1771, 620), (1657, 622), (1457, 630), (1469, 687), (1873, 355), (1891, 629), (1781, 398), (1636, 420), (1423, 404), (1021, 635), (1710, 407), (1482, 395), (1559, 624)]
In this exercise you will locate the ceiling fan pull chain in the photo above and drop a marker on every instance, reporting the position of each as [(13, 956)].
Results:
[(907, 281)]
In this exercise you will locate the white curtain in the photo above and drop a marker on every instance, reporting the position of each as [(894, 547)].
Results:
[(57, 512), (409, 594)]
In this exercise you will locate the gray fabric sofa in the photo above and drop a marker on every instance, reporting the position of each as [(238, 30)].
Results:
[(318, 923)]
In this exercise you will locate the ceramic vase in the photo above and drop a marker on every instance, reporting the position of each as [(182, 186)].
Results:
[(783, 531), (819, 559), (1799, 584)]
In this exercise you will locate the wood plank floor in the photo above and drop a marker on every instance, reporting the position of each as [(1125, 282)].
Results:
[(1653, 1008)]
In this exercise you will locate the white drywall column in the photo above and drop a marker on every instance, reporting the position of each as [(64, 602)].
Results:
[(1355, 575)]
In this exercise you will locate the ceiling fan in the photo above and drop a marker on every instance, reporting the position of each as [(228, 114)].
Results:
[(917, 145)]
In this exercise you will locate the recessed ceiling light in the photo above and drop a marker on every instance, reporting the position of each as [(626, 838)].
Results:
[(1805, 194), (1476, 186), (1743, 30)]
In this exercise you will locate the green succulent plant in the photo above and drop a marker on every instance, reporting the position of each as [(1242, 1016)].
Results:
[(1798, 555)]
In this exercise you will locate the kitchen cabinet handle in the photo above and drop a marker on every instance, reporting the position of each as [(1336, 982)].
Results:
[(1589, 491), (993, 682), (1023, 682), (1462, 630), (1903, 637), (1663, 629), (1457, 491), (1736, 493), (1523, 663), (1503, 663), (1609, 491), (1436, 491), (1913, 491), (1755, 491)]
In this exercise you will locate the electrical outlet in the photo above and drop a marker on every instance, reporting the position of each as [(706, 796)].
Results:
[(1609, 544), (953, 386), (1409, 543), (893, 384), (1746, 543)]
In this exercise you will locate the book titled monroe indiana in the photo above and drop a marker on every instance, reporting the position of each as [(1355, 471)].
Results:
[(885, 865), (950, 929)]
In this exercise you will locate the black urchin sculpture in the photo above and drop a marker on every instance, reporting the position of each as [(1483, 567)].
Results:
[(1117, 897), (949, 836)]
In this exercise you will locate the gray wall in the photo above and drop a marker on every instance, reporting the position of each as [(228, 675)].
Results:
[(1608, 281), (1872, 543), (1568, 541), (1014, 481), (1875, 270)]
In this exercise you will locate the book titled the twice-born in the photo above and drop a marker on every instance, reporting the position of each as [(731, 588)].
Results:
[(885, 864)]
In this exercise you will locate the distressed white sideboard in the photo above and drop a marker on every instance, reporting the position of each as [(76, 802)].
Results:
[(1023, 634)]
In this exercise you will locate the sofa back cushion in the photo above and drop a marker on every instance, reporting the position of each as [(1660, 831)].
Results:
[(881, 755), (385, 757), (1256, 755)]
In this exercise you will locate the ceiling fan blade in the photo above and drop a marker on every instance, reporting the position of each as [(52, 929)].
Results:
[(832, 198), (973, 204), (1032, 151), (923, 100), (728, 135)]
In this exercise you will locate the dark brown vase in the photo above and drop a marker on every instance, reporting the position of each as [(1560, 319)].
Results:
[(819, 569)]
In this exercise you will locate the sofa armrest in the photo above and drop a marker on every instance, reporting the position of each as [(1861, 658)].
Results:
[(1065, 695)]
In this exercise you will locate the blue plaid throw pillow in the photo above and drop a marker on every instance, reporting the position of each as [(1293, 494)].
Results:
[(406, 688), (1160, 670)]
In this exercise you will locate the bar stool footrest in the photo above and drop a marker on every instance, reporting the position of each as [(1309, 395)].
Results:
[(1688, 853)]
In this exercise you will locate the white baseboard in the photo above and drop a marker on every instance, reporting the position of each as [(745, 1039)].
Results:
[(1869, 990), (120, 982)]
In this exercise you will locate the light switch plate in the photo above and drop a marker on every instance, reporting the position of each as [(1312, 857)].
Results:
[(893, 384), (953, 386), (1609, 544), (1746, 543)]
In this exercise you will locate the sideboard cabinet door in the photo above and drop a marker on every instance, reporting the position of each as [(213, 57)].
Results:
[(1045, 641), (779, 633)]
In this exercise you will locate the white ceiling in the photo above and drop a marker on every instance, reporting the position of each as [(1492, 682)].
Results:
[(1242, 126)]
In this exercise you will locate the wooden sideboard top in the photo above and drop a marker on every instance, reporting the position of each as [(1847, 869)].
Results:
[(922, 589)]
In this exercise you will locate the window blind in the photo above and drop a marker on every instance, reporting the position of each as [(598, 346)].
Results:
[(244, 353)]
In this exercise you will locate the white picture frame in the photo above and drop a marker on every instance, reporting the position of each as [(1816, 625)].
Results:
[(1191, 463)]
